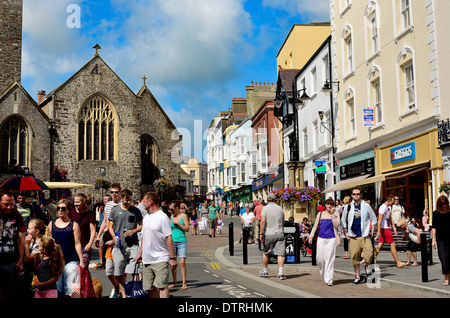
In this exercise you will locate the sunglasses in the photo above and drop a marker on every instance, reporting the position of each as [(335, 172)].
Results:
[(62, 208), (356, 193), (113, 192)]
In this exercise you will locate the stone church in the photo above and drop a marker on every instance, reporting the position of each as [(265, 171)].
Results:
[(90, 122)]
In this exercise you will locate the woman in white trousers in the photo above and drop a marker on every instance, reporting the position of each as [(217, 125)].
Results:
[(326, 226)]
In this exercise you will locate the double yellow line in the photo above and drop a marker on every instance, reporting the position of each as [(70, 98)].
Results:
[(215, 266)]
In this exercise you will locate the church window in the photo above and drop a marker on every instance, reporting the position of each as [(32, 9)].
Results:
[(14, 143), (96, 130)]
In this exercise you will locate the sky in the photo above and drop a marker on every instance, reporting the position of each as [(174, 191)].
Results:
[(197, 55)]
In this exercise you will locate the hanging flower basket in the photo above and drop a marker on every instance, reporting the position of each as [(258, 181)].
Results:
[(445, 187), (161, 185), (297, 194), (101, 183)]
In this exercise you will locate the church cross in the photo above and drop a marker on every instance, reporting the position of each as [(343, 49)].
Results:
[(144, 78), (96, 47)]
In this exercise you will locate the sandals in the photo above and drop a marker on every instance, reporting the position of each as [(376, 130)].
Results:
[(445, 283)]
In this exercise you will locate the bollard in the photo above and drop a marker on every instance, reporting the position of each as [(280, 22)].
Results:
[(231, 238), (244, 246), (424, 251), (313, 251)]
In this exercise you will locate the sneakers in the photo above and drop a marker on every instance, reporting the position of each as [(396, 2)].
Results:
[(263, 274), (357, 281), (266, 274)]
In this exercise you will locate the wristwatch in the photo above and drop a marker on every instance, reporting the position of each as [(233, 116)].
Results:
[(173, 258)]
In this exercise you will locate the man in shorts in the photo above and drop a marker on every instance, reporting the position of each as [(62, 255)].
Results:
[(385, 227), (272, 235), (126, 220), (156, 250), (358, 222)]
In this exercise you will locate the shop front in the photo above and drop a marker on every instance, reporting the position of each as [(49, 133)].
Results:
[(357, 170), (243, 194), (264, 185), (412, 170)]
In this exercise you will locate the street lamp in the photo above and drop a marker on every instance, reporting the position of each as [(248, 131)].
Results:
[(289, 116)]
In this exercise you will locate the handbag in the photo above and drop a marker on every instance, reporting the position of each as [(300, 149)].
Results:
[(86, 285), (134, 289), (76, 288)]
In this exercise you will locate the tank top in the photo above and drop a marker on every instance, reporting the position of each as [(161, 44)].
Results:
[(326, 230), (64, 237), (178, 235)]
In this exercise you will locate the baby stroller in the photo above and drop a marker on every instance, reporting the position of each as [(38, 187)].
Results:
[(305, 249)]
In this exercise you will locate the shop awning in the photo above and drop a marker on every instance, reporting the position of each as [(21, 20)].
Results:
[(354, 182), (405, 172), (367, 179), (68, 185)]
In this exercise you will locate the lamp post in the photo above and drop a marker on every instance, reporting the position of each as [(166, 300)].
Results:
[(288, 117)]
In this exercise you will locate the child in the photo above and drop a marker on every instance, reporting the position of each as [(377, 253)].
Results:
[(219, 225), (49, 269), (36, 230)]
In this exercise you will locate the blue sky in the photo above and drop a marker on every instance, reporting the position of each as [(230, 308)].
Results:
[(196, 54)]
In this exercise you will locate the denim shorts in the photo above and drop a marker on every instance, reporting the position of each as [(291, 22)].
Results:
[(180, 249)]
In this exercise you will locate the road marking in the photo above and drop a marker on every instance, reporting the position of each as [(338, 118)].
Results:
[(215, 266)]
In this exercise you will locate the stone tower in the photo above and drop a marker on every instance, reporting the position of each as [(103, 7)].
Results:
[(10, 42)]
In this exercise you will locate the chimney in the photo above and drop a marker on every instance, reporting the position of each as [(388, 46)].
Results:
[(40, 97)]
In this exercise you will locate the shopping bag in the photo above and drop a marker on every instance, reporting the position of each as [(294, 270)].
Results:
[(134, 288), (86, 285), (201, 225), (76, 287)]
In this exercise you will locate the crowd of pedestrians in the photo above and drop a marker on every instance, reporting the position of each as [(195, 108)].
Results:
[(41, 253)]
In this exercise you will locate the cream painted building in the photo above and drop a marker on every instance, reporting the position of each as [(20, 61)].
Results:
[(387, 102), (301, 43), (199, 172)]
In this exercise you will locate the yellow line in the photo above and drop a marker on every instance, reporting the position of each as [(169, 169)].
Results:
[(215, 266)]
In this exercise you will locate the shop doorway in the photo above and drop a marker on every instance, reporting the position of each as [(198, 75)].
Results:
[(411, 191)]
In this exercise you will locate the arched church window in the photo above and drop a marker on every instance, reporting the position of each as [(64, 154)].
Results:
[(14, 143), (96, 130)]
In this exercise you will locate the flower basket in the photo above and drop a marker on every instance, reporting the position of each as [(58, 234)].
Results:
[(445, 187), (101, 183), (297, 194), (161, 185)]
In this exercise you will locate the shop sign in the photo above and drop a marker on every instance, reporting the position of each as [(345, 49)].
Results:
[(359, 168), (321, 167), (368, 117), (403, 153)]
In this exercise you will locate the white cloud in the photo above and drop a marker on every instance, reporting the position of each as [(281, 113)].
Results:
[(315, 11)]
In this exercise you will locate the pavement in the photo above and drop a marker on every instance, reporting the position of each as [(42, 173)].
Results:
[(303, 278)]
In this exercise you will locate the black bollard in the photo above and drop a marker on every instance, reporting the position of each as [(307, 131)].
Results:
[(231, 239), (314, 251), (244, 246), (424, 250)]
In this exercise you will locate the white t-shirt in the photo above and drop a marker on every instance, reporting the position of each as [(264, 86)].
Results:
[(384, 210), (155, 229), (247, 218)]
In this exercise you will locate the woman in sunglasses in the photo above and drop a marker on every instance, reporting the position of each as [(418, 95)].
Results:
[(67, 234)]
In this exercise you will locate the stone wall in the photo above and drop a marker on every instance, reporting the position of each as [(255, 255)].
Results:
[(17, 103), (10, 42)]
